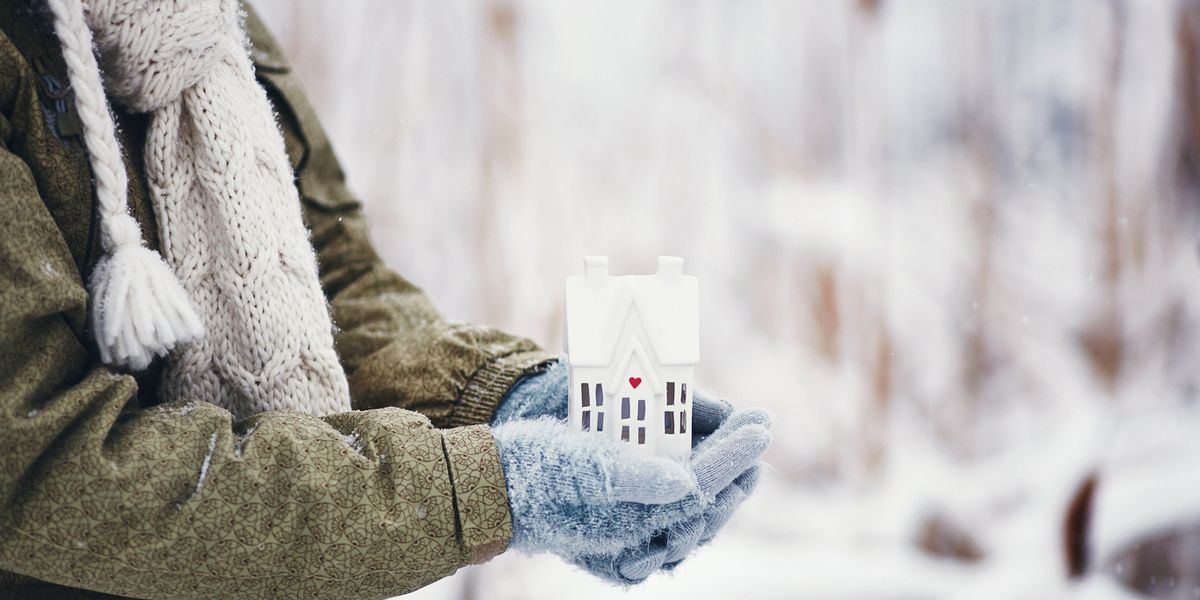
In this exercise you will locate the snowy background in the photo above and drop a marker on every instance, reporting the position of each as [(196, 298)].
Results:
[(951, 244)]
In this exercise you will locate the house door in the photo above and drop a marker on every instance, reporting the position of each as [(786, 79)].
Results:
[(635, 400)]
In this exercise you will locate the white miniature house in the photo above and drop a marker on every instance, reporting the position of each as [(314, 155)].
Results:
[(632, 343)]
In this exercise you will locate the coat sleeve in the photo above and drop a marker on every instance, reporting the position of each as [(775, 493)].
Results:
[(179, 501), (396, 348)]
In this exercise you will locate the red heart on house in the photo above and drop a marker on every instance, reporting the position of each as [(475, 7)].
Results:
[(635, 381)]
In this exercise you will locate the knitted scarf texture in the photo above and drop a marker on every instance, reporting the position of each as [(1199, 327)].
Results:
[(237, 308)]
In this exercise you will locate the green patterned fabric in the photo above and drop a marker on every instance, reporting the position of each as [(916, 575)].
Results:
[(104, 489)]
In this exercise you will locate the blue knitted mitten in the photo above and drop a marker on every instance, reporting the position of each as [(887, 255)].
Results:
[(545, 394), (576, 494), (667, 547)]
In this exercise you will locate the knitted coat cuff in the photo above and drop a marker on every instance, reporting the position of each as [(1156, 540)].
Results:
[(480, 497), (488, 386)]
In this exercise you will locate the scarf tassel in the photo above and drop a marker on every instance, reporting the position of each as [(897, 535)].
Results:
[(139, 309)]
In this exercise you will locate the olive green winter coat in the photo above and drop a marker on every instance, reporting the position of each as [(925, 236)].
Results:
[(103, 488)]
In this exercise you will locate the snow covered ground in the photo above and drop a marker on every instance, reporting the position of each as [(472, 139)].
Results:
[(951, 244)]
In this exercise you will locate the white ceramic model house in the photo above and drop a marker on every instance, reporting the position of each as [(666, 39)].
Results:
[(632, 344)]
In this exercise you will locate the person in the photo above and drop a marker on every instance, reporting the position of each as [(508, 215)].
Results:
[(179, 418)]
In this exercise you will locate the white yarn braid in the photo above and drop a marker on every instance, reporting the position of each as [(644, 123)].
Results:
[(228, 211), (139, 309)]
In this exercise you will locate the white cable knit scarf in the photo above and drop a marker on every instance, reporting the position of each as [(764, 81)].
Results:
[(242, 319)]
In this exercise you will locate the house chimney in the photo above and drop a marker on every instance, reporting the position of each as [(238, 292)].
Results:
[(595, 269), (670, 268)]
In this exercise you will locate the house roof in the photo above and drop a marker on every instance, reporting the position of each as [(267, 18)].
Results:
[(664, 306), (633, 351)]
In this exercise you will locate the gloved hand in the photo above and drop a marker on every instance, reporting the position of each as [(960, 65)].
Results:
[(546, 394), (668, 547), (579, 495)]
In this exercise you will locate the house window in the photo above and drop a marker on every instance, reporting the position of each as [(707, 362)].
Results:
[(670, 393), (641, 410), (625, 433), (585, 400), (683, 394), (625, 407), (641, 435), (682, 421), (669, 422)]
